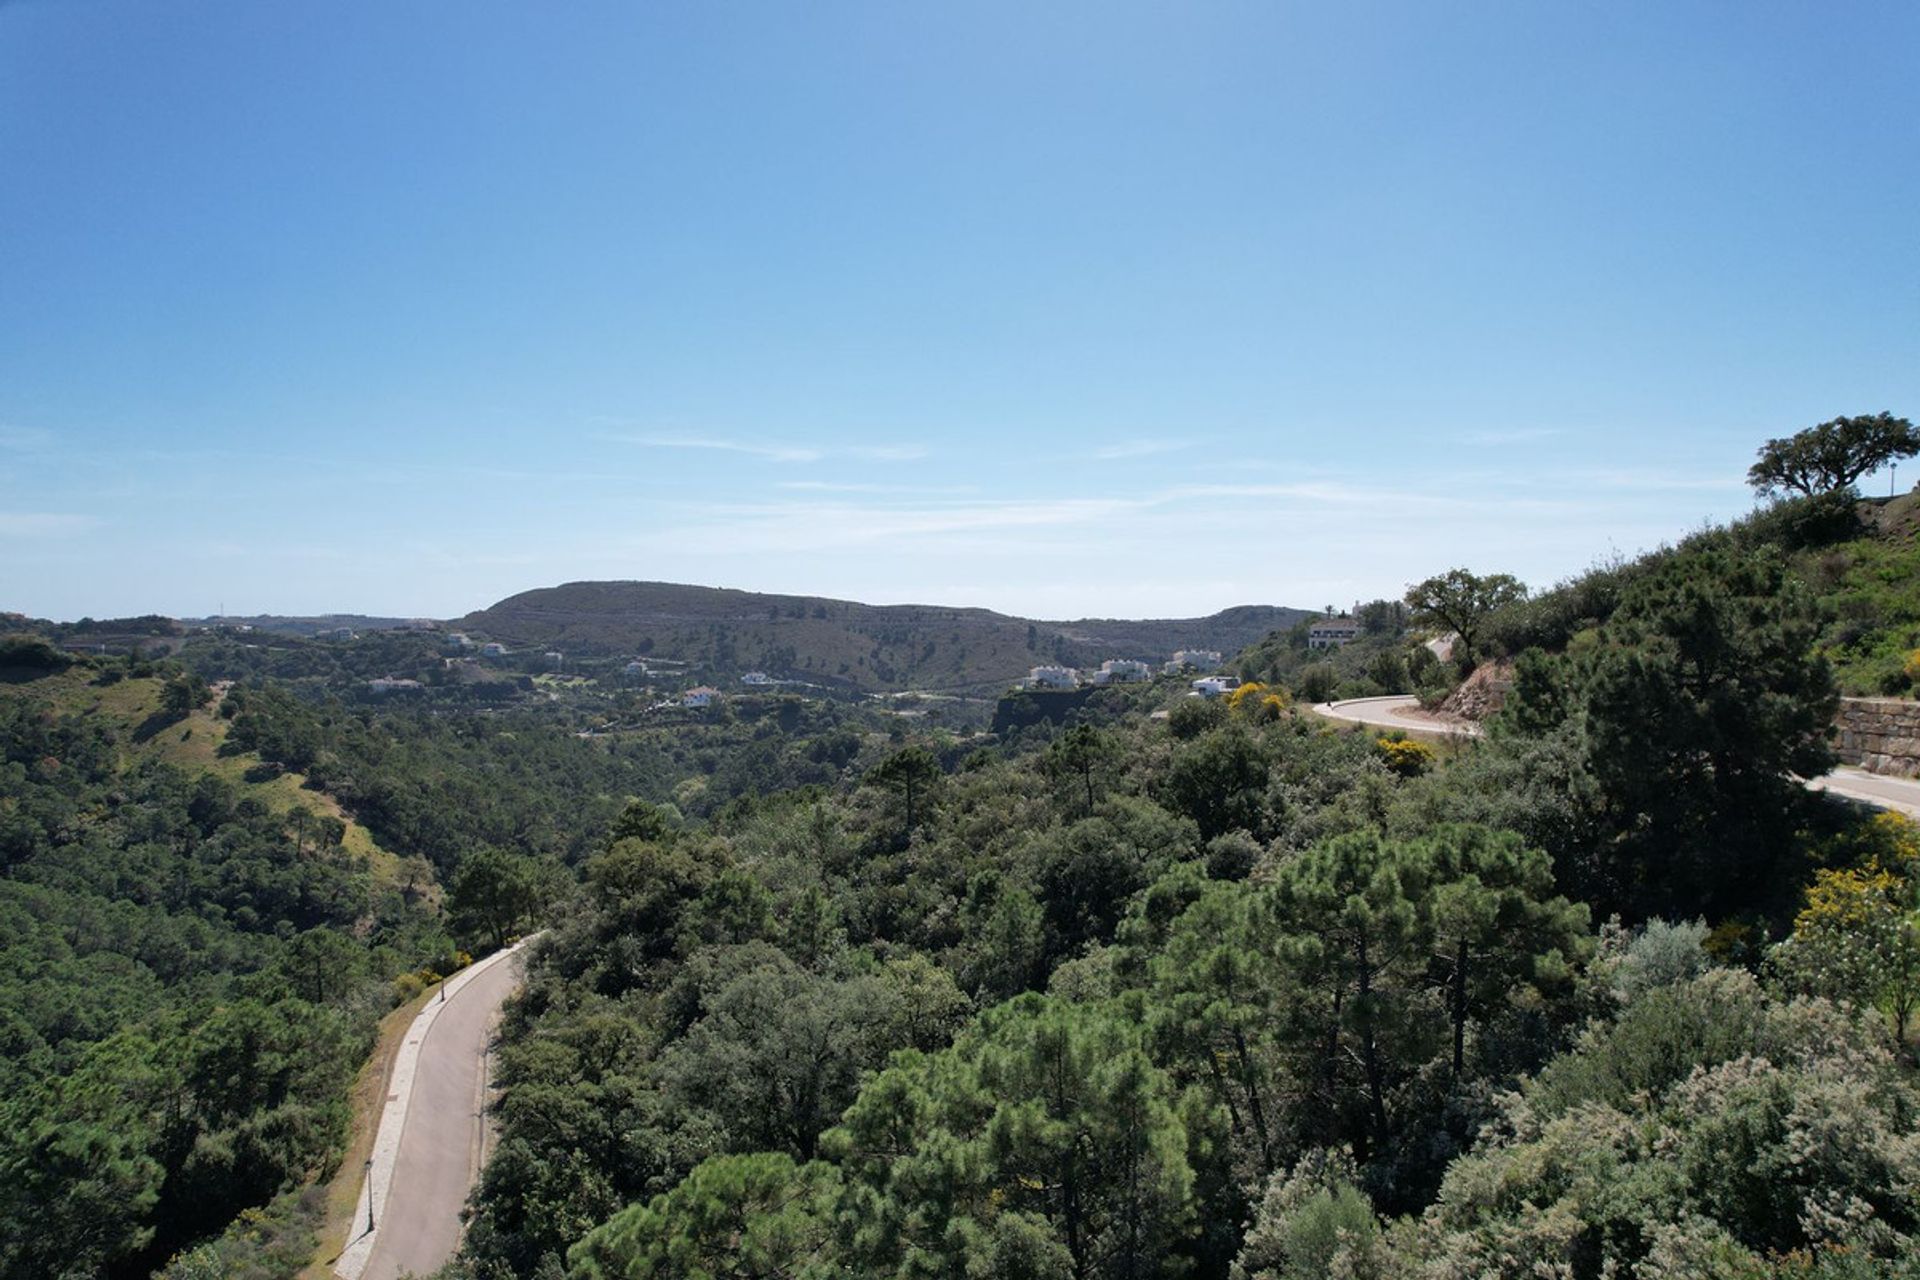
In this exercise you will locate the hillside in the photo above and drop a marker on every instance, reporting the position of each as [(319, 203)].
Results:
[(1859, 562), (195, 949), (129, 711), (840, 642)]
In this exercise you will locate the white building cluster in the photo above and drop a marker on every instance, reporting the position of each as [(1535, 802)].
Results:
[(1330, 633), (1193, 660), (1124, 671), (1120, 671)]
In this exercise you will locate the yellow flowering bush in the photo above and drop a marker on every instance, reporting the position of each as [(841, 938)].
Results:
[(1405, 756), (1857, 939), (1890, 840), (1257, 701)]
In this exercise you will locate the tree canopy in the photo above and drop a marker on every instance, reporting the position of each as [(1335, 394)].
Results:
[(1460, 601), (1832, 456)]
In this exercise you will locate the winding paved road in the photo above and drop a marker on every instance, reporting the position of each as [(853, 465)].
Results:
[(1902, 795), (1395, 711), (433, 1135)]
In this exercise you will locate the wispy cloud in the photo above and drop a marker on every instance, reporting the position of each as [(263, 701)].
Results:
[(45, 524), (1337, 493), (1139, 449), (1495, 437), (772, 451), (1653, 481), (848, 486), (841, 518), (887, 452), (820, 524)]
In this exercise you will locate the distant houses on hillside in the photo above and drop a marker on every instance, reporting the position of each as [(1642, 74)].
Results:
[(1329, 633), (1121, 670), (1124, 671), (699, 696)]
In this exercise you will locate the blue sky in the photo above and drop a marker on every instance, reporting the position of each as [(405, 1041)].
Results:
[(1102, 309)]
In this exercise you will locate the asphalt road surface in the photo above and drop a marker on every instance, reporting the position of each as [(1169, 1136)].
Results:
[(444, 1142), (1902, 795), (1395, 711)]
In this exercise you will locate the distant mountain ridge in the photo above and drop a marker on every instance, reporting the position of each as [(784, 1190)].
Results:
[(305, 624), (843, 642)]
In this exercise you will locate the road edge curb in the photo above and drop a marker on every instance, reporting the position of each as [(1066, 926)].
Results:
[(393, 1116)]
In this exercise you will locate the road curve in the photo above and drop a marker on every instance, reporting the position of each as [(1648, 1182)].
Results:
[(1394, 711), (433, 1133), (1901, 795)]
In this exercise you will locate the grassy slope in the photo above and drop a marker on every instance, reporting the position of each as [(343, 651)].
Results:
[(1872, 588), (193, 745), (1867, 587)]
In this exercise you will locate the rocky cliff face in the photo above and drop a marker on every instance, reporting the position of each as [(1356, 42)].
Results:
[(1480, 694), (1881, 735)]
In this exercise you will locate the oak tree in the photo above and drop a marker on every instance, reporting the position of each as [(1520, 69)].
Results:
[(1832, 456)]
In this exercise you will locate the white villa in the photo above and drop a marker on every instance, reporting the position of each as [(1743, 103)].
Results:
[(635, 669), (1214, 686), (1053, 678), (699, 696), (393, 684), (1330, 632), (1193, 660), (756, 678), (1121, 670), (493, 649)]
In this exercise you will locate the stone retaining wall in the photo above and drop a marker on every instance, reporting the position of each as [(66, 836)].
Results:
[(1881, 735)]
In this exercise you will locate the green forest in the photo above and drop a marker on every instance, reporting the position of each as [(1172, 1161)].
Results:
[(1144, 985)]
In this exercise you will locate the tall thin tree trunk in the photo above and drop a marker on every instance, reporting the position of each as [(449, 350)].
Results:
[(1460, 1009), (1253, 1100), (1370, 1050)]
